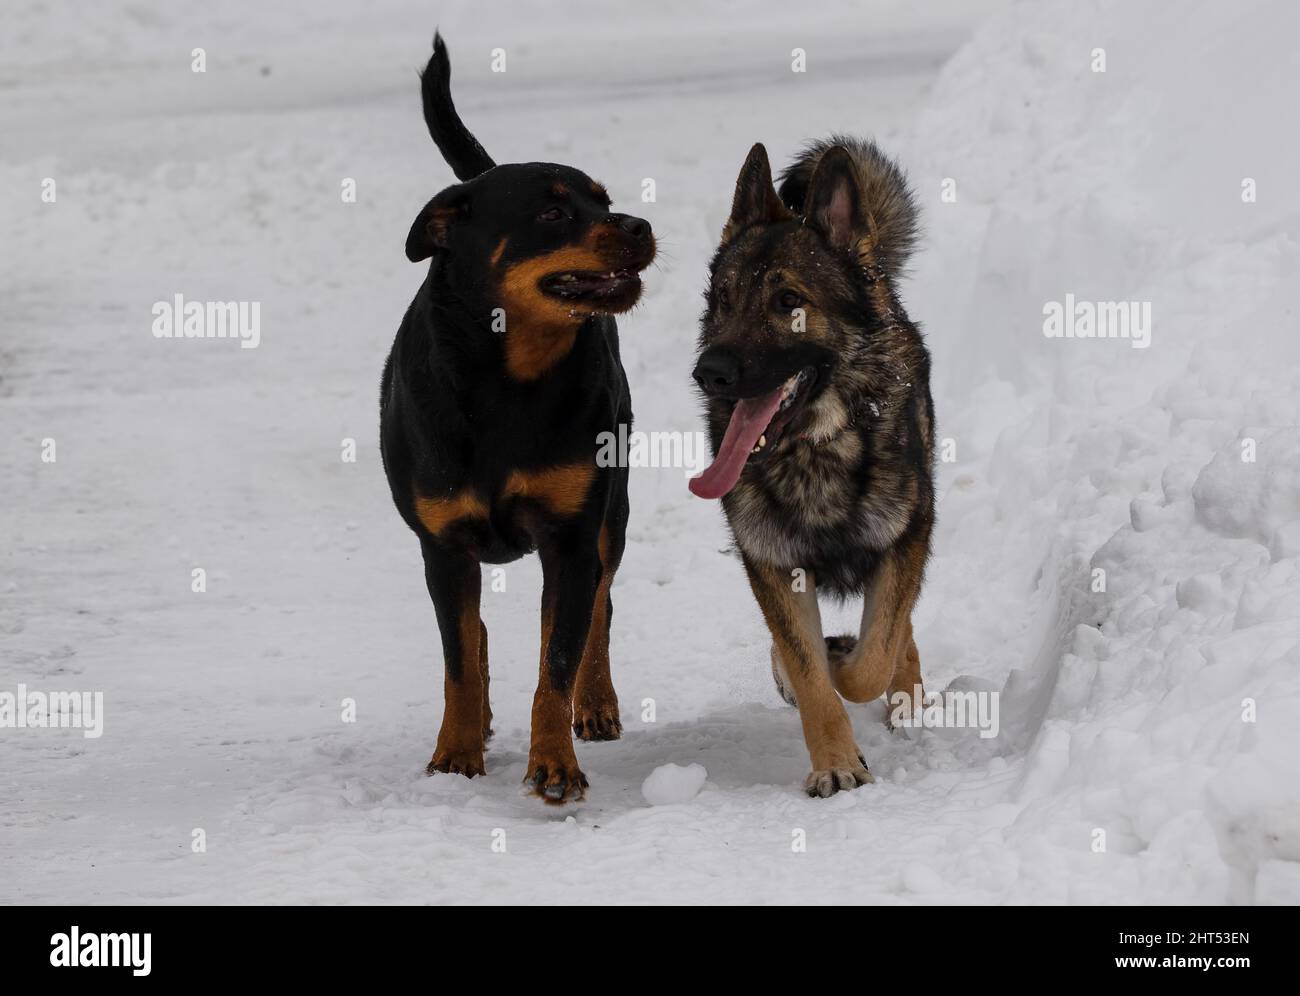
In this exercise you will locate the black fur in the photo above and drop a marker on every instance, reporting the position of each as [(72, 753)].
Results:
[(849, 476), (819, 412), (458, 422), (464, 155), (883, 186)]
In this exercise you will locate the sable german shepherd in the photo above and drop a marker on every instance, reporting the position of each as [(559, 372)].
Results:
[(818, 401), (489, 433)]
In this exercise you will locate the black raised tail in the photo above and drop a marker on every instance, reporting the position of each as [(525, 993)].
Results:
[(464, 155)]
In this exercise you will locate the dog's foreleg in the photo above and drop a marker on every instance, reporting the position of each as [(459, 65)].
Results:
[(571, 572), (884, 656), (454, 585), (795, 623)]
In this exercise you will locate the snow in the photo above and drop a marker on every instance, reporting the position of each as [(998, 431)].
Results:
[(669, 784), (1156, 715)]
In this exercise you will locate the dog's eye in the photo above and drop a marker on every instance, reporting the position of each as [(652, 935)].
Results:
[(724, 298), (788, 300), (551, 214)]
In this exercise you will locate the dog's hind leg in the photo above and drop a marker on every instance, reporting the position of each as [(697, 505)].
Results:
[(884, 657), (906, 681), (595, 703), (836, 648), (795, 623), (781, 678), (483, 670), (454, 585)]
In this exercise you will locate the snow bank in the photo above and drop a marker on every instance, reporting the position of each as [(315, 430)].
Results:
[(1139, 508)]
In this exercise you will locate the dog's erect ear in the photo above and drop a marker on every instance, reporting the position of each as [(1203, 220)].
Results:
[(432, 227), (833, 204), (756, 201)]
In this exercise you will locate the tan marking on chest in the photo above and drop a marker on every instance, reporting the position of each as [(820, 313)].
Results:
[(436, 514), (562, 490)]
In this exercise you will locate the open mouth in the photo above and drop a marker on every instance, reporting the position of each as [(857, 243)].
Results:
[(615, 288), (754, 431)]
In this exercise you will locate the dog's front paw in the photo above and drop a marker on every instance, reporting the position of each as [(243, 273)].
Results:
[(597, 721), (554, 774), (467, 761), (836, 776)]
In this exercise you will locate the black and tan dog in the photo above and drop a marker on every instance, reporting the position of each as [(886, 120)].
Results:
[(818, 402), (504, 372)]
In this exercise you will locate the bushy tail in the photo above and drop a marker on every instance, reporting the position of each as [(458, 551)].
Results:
[(885, 195), (464, 155)]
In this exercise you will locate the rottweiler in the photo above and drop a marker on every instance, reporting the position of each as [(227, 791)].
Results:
[(817, 392), (504, 372)]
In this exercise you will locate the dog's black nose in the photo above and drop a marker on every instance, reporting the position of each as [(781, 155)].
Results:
[(638, 228), (718, 371)]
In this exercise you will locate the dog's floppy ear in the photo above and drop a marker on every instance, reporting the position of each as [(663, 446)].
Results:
[(432, 227), (756, 201), (833, 204)]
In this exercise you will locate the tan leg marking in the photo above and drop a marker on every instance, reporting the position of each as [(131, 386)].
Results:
[(460, 740), (552, 764), (595, 703)]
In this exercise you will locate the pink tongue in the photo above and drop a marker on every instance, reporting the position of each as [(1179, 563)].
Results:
[(747, 423)]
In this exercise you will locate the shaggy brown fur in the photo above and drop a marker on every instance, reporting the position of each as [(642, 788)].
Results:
[(836, 494)]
